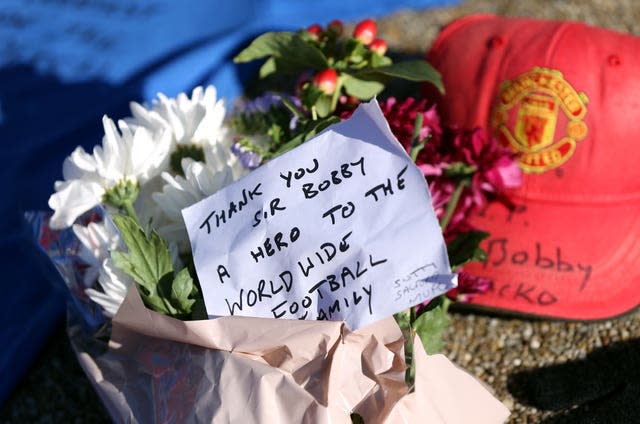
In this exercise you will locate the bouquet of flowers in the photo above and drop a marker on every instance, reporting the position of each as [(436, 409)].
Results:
[(138, 321)]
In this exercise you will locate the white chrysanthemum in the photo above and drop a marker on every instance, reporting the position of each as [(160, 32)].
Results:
[(114, 283), (125, 160), (195, 123), (97, 240), (200, 180)]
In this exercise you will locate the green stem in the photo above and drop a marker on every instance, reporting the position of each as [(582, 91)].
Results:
[(131, 212), (453, 203), (336, 95), (314, 113), (416, 144), (409, 348)]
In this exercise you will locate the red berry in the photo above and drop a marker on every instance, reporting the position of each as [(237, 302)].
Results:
[(326, 80), (366, 31), (378, 46), (336, 27), (314, 29)]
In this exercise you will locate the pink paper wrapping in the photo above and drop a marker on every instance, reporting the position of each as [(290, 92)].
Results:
[(256, 370)]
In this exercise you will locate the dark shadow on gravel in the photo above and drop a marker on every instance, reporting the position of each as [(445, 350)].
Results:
[(602, 388)]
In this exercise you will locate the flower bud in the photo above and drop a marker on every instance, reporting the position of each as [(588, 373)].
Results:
[(366, 31), (378, 46), (336, 27), (315, 31), (326, 80)]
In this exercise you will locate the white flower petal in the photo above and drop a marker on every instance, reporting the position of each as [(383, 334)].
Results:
[(112, 144), (78, 164), (72, 199), (98, 238), (114, 283), (109, 305), (201, 180)]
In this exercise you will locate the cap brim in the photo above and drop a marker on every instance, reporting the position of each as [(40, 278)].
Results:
[(561, 260)]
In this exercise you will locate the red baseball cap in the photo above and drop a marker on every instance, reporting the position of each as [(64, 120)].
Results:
[(566, 97)]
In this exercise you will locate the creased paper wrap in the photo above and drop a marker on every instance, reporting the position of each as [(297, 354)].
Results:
[(258, 370), (156, 369)]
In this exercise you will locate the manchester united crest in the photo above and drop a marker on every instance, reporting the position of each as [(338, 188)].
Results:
[(541, 116)]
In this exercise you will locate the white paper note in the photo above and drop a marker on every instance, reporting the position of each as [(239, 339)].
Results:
[(340, 228)]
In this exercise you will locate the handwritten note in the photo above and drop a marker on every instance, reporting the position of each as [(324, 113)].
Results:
[(340, 228)]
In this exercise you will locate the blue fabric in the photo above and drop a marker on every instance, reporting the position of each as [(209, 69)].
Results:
[(65, 63)]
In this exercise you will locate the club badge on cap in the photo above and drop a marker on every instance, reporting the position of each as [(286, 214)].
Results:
[(566, 98), (531, 108)]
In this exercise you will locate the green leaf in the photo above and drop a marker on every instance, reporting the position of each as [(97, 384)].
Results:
[(362, 88), (310, 95), (163, 290), (148, 262), (356, 418), (355, 51), (430, 325), (311, 128), (414, 70), (403, 318), (269, 67), (286, 46), (291, 106), (148, 259), (198, 310), (466, 248), (181, 290), (378, 61), (323, 106), (460, 170)]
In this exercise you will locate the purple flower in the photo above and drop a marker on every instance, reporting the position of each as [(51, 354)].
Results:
[(261, 104), (248, 158), (264, 103)]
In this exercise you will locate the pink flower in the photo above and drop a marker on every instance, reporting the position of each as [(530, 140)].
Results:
[(469, 286), (494, 171), (402, 117), (496, 168)]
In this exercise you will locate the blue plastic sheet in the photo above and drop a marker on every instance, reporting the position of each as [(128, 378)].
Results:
[(65, 63)]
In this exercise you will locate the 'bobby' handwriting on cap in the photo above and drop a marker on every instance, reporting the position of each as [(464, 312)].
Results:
[(499, 253)]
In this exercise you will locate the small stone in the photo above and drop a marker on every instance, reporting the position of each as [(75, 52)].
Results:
[(527, 332), (534, 343), (508, 402)]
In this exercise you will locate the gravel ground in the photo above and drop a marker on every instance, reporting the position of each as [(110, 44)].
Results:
[(490, 347)]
